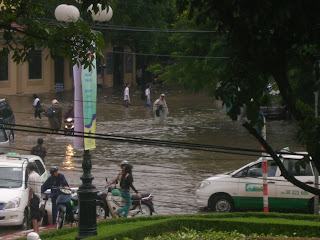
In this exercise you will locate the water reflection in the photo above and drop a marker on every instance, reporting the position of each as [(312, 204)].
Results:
[(68, 163)]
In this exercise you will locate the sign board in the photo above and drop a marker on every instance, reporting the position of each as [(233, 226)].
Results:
[(58, 87)]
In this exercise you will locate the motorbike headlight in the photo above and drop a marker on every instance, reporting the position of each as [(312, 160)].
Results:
[(13, 203), (72, 126), (204, 184), (69, 119)]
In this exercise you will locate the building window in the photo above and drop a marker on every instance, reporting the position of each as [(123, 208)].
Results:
[(4, 68), (35, 65), (128, 62), (109, 66)]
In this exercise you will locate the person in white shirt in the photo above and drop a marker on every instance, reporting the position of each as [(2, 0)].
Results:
[(37, 106), (126, 94), (34, 185), (160, 109), (148, 96)]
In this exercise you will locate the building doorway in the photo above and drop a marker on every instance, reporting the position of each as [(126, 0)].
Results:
[(59, 73), (118, 67)]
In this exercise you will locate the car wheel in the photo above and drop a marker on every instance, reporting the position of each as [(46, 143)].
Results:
[(221, 203), (25, 222)]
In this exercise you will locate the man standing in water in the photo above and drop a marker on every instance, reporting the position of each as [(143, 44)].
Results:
[(160, 109), (148, 96), (39, 150), (126, 94), (54, 115)]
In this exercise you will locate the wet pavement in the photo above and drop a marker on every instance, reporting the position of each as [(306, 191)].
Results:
[(170, 174)]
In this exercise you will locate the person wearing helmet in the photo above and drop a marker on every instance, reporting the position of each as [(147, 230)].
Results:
[(54, 114), (123, 165), (56, 180)]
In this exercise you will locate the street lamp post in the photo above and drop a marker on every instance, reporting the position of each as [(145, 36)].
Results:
[(87, 192)]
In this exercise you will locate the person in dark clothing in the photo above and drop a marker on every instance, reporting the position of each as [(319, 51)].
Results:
[(39, 150), (125, 185), (56, 180), (69, 113)]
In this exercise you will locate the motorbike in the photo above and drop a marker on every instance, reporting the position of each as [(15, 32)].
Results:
[(67, 206), (107, 204), (69, 126)]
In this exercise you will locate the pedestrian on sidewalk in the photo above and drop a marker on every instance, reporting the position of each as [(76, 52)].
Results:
[(34, 185), (39, 150), (37, 106), (126, 97), (148, 96)]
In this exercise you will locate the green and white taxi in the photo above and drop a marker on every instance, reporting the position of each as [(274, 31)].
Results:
[(243, 188)]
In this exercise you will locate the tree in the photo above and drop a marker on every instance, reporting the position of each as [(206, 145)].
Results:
[(139, 15), (25, 27), (275, 39)]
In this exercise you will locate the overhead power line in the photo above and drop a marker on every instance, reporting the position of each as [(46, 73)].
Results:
[(144, 141)]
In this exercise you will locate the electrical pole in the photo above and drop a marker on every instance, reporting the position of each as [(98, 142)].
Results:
[(316, 173)]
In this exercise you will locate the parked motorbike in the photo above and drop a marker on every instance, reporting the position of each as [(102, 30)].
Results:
[(107, 204), (69, 126)]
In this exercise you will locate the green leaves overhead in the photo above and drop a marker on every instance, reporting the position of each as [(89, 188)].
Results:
[(27, 27)]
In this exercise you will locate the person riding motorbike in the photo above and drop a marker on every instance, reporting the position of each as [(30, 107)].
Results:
[(56, 180)]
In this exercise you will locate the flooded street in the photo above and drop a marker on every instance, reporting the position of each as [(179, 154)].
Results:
[(170, 174)]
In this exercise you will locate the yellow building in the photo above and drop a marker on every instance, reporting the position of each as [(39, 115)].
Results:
[(44, 74)]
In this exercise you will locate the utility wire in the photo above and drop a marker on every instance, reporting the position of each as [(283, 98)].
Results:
[(145, 140)]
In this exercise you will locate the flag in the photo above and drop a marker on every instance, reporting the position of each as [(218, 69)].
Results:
[(89, 93)]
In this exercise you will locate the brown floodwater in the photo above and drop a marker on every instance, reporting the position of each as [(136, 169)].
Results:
[(170, 174)]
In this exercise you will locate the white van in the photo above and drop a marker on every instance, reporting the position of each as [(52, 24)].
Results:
[(243, 188), (14, 188)]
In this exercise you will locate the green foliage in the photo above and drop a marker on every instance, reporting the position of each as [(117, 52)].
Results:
[(245, 223), (153, 14), (191, 234), (26, 27)]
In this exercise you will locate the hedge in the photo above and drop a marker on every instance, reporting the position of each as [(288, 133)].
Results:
[(298, 225)]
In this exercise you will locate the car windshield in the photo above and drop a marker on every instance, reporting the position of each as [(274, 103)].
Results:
[(10, 177)]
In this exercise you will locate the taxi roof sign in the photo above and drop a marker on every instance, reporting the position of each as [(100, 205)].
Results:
[(13, 155)]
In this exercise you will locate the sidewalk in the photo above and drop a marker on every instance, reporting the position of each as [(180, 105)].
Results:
[(42, 229), (25, 233)]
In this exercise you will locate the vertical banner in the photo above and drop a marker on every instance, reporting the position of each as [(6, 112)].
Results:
[(78, 107), (89, 91)]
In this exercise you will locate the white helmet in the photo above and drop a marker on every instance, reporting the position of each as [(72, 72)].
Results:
[(125, 162), (33, 236)]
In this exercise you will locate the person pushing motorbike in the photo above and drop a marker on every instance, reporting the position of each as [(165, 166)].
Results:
[(123, 165), (56, 180)]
